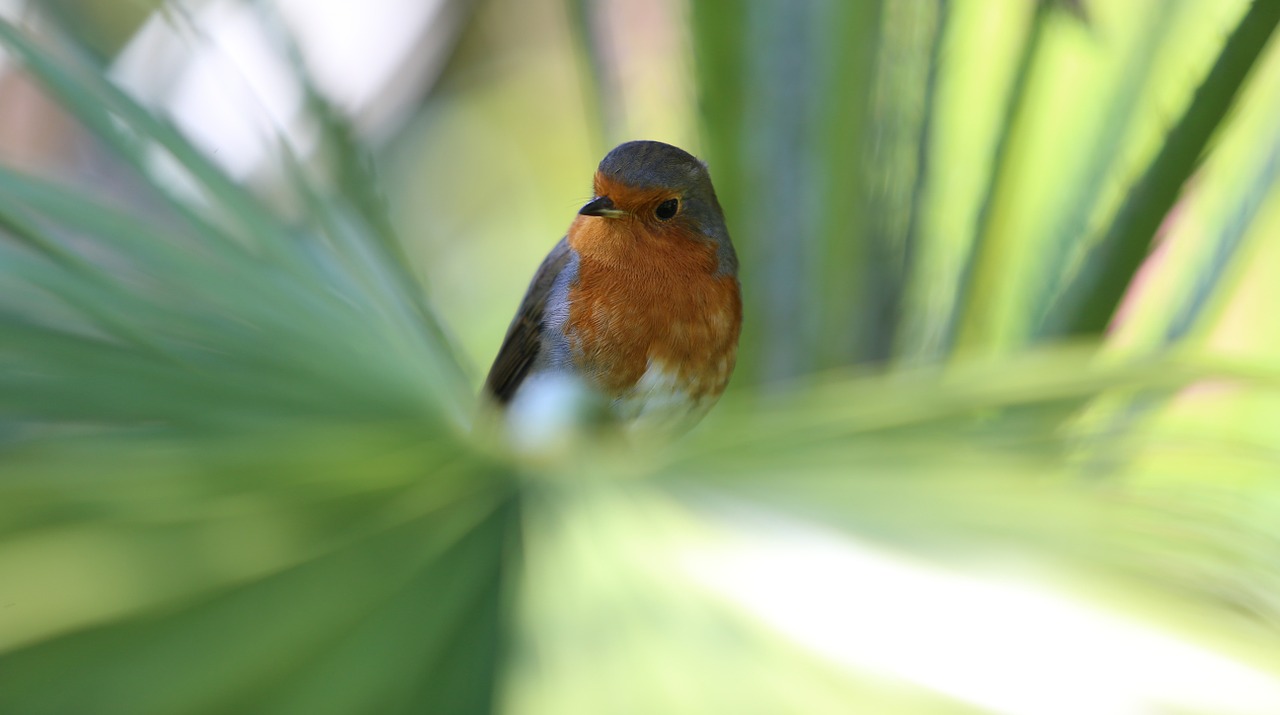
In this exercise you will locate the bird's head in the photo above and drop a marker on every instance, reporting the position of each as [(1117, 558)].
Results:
[(663, 189)]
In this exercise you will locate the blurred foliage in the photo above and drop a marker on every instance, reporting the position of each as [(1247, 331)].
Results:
[(236, 470), (101, 28)]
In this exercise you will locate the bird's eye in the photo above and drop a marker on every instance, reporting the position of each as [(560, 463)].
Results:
[(667, 209)]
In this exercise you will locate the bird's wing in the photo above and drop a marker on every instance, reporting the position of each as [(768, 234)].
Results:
[(523, 341)]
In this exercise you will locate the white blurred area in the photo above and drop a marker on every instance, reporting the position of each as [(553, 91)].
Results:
[(1001, 644), (228, 81)]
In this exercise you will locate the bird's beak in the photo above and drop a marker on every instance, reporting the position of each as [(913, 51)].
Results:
[(601, 206)]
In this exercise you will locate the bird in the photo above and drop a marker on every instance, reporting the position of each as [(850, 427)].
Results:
[(639, 304)]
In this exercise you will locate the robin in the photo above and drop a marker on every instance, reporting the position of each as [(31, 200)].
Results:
[(639, 303)]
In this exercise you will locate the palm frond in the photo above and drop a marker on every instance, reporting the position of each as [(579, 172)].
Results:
[(236, 474)]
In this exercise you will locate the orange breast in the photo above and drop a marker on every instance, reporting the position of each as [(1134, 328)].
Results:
[(648, 297)]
